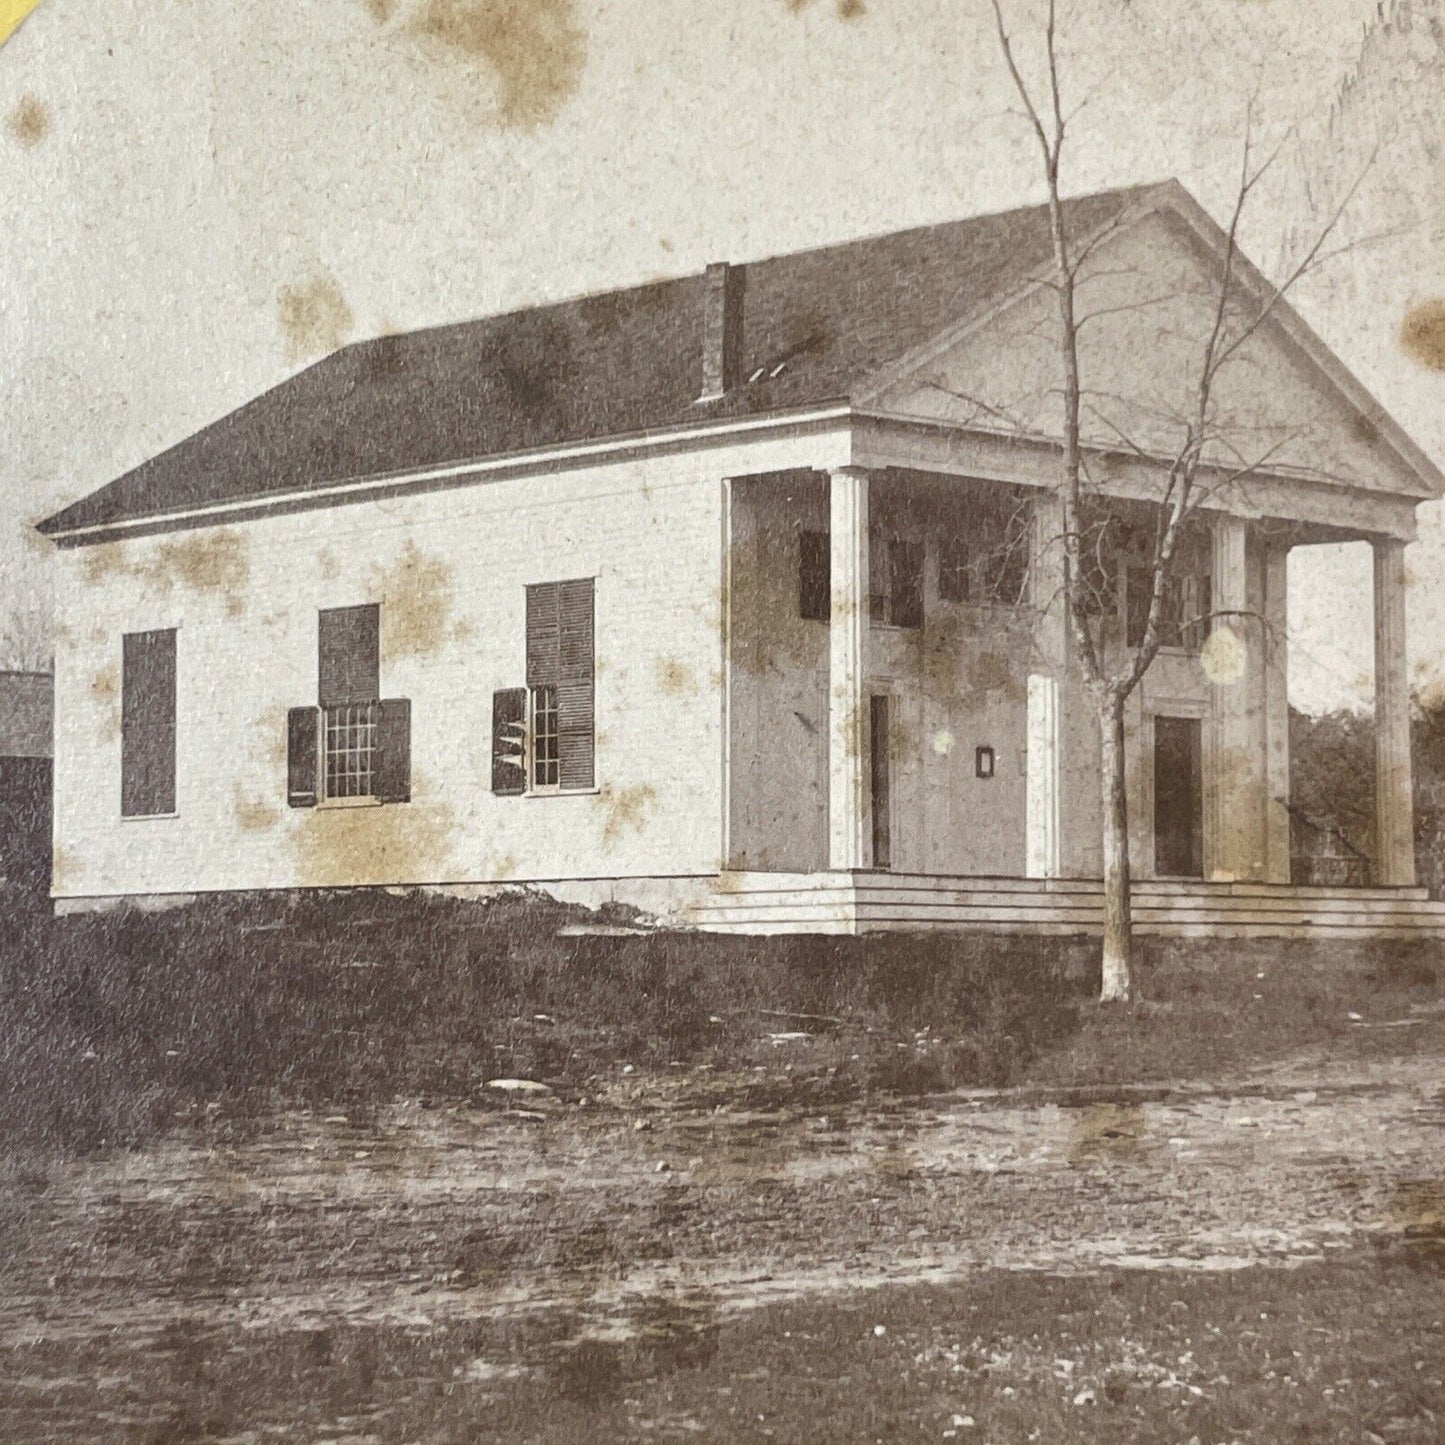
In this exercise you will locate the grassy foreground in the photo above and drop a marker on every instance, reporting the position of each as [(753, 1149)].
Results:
[(115, 1028)]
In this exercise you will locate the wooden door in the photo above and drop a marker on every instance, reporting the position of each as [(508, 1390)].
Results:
[(1178, 798)]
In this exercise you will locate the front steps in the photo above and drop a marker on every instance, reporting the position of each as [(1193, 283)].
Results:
[(869, 902)]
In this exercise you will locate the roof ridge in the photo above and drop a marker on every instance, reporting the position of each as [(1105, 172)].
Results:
[(576, 298)]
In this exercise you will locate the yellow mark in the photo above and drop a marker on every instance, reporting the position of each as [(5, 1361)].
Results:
[(1223, 656), (12, 12), (315, 318), (29, 122)]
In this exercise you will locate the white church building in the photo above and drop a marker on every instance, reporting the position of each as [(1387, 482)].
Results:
[(736, 597)]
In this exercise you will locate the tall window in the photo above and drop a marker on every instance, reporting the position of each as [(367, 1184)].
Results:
[(350, 697), (815, 572), (148, 724), (545, 772), (896, 587), (989, 561), (1183, 609), (561, 684)]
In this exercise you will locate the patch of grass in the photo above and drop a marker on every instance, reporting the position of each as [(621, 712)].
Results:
[(116, 1027)]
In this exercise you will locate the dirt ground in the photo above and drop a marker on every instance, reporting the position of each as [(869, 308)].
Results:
[(539, 1266)]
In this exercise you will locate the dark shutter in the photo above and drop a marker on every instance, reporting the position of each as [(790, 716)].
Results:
[(509, 741), (393, 745), (953, 569), (303, 730), (350, 655), (575, 687), (148, 724), (905, 583), (815, 569), (1138, 585), (560, 654)]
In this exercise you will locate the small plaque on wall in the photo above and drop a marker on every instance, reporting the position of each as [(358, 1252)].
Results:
[(983, 762)]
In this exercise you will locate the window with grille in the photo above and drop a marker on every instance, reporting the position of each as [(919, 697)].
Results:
[(561, 684), (350, 696), (351, 749), (544, 737), (352, 744)]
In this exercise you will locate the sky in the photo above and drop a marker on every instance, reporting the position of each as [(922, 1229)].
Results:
[(197, 198)]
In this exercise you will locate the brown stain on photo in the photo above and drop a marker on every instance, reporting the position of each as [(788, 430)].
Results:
[(535, 49), (1417, 1209), (394, 843), (254, 815), (315, 318), (206, 563), (329, 564), (675, 678), (500, 866), (65, 869), (29, 122), (1102, 1132), (268, 741), (416, 604), (624, 808), (845, 9), (1422, 334), (105, 690)]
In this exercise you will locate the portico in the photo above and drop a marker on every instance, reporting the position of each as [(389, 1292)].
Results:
[(977, 699)]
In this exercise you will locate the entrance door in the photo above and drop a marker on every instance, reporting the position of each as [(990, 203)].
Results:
[(879, 780), (1178, 798)]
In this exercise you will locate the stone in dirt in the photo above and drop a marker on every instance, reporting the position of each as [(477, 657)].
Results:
[(518, 1086)]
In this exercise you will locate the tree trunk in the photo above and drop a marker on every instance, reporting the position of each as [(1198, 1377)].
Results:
[(1118, 932)]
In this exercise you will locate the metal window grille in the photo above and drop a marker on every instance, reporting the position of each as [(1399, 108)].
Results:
[(351, 749), (545, 770)]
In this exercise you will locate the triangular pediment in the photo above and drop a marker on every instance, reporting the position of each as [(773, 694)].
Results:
[(1147, 298)]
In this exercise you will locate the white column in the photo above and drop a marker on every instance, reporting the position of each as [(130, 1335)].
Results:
[(849, 834), (1232, 805), (1394, 790), (1276, 714), (1042, 829)]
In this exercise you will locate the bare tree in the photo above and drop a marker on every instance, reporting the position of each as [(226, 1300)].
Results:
[(1201, 464)]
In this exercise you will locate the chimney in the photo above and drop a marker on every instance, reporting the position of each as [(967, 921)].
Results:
[(722, 330)]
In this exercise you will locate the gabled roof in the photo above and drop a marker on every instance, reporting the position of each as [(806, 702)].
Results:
[(820, 327), (600, 366)]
